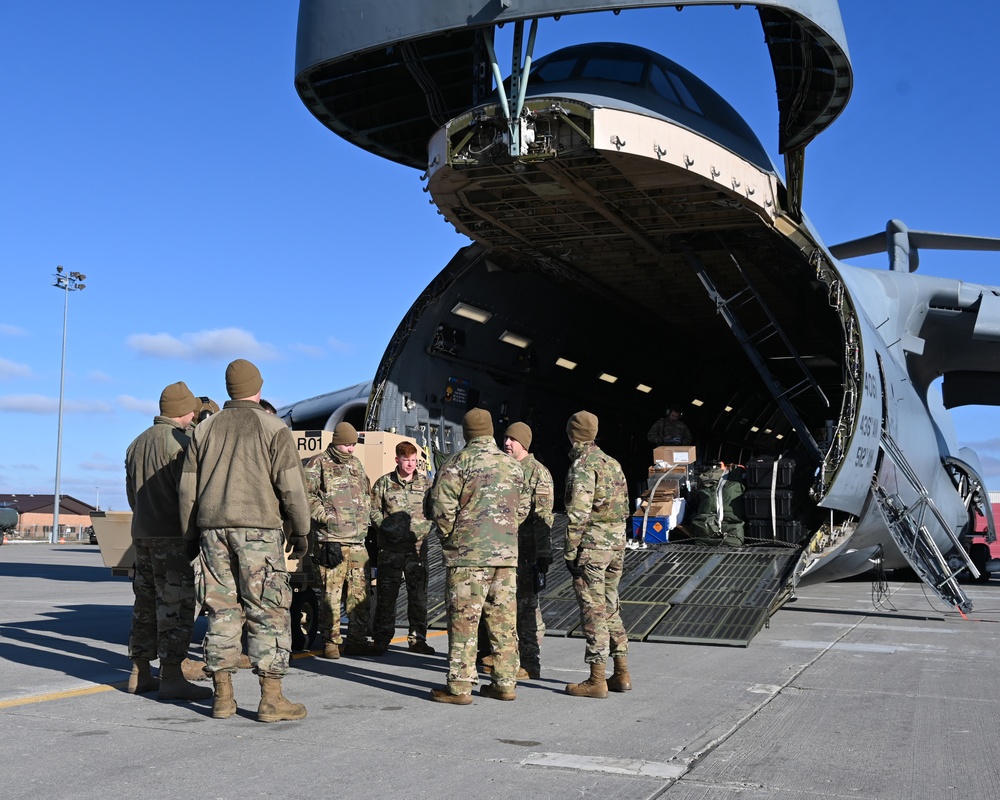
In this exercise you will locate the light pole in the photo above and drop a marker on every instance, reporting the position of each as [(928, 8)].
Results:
[(98, 488), (68, 283)]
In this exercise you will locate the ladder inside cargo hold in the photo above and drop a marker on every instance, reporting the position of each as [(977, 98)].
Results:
[(906, 525), (750, 342)]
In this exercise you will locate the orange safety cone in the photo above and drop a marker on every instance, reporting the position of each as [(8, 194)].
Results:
[(61, 540)]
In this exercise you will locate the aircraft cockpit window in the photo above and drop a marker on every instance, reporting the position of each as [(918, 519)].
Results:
[(686, 96), (662, 86), (558, 70), (614, 69), (670, 87)]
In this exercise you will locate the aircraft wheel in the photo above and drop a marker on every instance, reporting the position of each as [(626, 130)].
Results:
[(305, 619), (980, 555)]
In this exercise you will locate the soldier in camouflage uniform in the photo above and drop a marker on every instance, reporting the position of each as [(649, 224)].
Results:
[(670, 430), (242, 481), (597, 508), (534, 548), (163, 614), (477, 502), (398, 514), (341, 505)]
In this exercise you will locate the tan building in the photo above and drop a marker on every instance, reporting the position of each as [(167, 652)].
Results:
[(36, 510)]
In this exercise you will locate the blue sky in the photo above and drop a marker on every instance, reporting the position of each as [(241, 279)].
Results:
[(160, 149)]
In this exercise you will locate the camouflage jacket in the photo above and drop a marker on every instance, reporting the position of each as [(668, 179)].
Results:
[(534, 536), (666, 432), (398, 511), (340, 497), (596, 501), (477, 502), (242, 471), (153, 466)]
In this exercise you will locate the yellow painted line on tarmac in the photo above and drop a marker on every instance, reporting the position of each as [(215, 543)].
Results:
[(43, 698), (107, 687)]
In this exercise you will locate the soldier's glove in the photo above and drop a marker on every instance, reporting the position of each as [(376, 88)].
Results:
[(334, 553), (192, 548), (542, 563), (574, 567), (297, 546)]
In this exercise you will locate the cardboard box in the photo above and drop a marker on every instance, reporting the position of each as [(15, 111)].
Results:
[(658, 508), (657, 529), (675, 456), (376, 450), (665, 489)]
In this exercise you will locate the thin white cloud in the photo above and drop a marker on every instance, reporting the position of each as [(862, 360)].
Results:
[(311, 350), (96, 376), (339, 346), (10, 369), (224, 343), (129, 403), (39, 404), (12, 330)]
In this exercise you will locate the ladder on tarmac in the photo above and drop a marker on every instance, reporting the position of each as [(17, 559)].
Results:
[(908, 527)]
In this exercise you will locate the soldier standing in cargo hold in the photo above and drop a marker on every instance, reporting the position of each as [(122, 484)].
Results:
[(340, 504), (242, 481), (597, 510), (534, 547), (670, 430), (163, 614), (398, 514), (477, 502)]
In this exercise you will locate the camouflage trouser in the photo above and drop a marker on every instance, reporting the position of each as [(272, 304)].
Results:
[(393, 569), (530, 627), (600, 613), (163, 614), (246, 566), (489, 592), (357, 602)]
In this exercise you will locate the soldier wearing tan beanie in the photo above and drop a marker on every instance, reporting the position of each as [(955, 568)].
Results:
[(582, 427), (163, 611), (177, 401), (243, 380), (477, 422)]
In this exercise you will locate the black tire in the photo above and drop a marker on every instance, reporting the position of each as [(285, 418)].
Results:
[(305, 618), (980, 555)]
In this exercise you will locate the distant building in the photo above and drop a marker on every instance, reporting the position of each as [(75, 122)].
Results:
[(36, 511)]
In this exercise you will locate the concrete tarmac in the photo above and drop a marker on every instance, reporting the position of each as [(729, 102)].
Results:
[(837, 698)]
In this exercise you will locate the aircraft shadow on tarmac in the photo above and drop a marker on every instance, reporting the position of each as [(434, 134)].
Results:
[(45, 642), (57, 572)]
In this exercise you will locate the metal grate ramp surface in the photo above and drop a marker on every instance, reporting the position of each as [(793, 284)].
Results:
[(668, 593)]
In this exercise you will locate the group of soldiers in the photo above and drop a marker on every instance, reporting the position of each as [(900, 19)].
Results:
[(232, 496)]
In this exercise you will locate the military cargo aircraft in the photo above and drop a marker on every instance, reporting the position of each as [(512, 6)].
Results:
[(634, 244)]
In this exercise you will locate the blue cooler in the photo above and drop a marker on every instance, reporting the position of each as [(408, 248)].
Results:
[(657, 529)]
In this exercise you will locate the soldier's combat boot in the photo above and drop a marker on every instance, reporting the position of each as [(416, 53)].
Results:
[(595, 686), (223, 703), (274, 706), (244, 662), (173, 686), (194, 670), (621, 681), (141, 680), (331, 650), (494, 691), (461, 698), (529, 673), (420, 646), (485, 664)]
